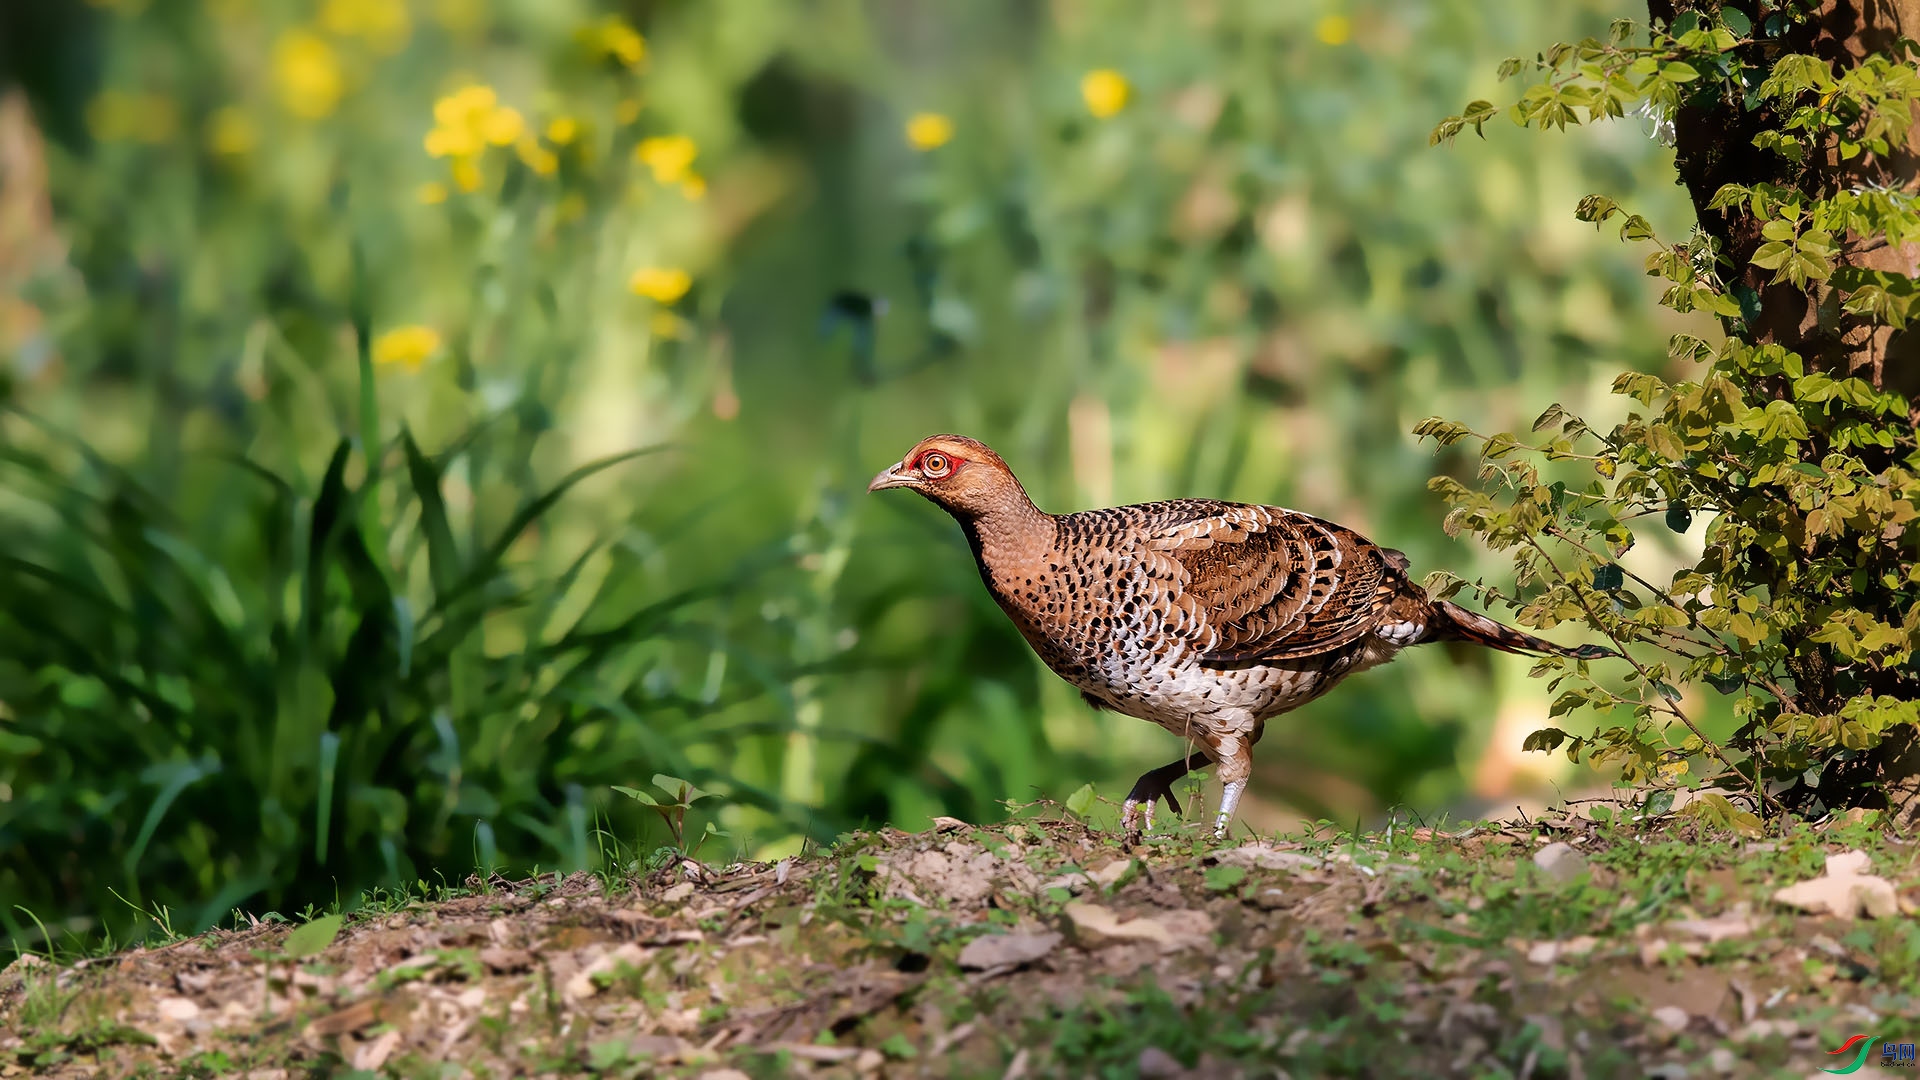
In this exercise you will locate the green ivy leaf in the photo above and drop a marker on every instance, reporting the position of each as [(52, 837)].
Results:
[(1221, 878), (311, 939), (1080, 801)]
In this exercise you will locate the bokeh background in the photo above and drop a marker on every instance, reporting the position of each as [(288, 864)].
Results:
[(422, 416)]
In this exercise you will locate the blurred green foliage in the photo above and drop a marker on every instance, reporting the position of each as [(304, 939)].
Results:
[(312, 328)]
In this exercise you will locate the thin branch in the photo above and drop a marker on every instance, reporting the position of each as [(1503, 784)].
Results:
[(1594, 620)]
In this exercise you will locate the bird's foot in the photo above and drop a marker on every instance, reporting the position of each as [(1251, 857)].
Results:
[(1147, 790)]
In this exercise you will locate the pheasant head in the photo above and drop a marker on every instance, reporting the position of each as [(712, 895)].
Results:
[(961, 475)]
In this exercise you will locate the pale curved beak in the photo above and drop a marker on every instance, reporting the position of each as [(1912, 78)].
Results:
[(892, 476)]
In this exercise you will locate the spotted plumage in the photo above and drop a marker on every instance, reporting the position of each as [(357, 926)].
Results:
[(1208, 618)]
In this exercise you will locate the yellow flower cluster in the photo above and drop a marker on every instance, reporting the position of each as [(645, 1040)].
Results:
[(471, 119), (929, 131), (406, 346), (1105, 91), (670, 158), (661, 284), (307, 73), (466, 121), (613, 37)]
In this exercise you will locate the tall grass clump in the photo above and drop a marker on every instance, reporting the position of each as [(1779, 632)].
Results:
[(330, 561)]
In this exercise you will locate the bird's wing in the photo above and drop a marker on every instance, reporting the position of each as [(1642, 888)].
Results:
[(1271, 584)]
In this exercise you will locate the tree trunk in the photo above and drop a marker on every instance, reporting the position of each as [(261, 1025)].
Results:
[(1714, 146)]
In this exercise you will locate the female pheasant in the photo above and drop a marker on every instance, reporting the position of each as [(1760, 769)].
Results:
[(1207, 618)]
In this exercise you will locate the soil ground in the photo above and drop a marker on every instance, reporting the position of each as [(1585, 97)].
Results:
[(1559, 946)]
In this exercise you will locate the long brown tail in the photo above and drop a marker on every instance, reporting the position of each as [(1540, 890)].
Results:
[(1458, 624)]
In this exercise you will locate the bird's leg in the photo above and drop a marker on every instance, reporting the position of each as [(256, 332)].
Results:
[(1236, 765), (1229, 798), (1156, 785)]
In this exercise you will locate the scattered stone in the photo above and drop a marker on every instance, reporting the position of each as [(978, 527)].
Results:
[(1111, 873), (502, 961), (1007, 950), (812, 1052), (1269, 899), (374, 1054), (1733, 924), (957, 872), (1547, 952), (193, 982), (1722, 1061), (24, 963), (1560, 861), (1672, 1017), (1264, 856), (177, 1009), (1094, 926), (1767, 1029), (1846, 890), (583, 985), (1075, 883), (1157, 1064), (678, 893)]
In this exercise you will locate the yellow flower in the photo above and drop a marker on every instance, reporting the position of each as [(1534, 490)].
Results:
[(660, 284), (382, 23), (466, 107), (613, 36), (1333, 29), (1105, 92), (452, 142), (502, 126), (669, 156), (308, 74), (694, 187), (432, 193), (562, 130), (623, 41), (230, 133), (538, 158), (929, 131), (406, 346)]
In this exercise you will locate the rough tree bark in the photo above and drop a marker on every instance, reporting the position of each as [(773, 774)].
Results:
[(1714, 146)]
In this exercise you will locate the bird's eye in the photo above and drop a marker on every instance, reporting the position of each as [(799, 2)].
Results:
[(935, 465)]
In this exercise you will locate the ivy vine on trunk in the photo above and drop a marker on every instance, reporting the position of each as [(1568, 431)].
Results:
[(1793, 439)]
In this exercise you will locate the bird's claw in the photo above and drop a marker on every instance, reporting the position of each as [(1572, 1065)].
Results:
[(1142, 798)]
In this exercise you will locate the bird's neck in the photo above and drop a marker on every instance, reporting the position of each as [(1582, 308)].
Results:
[(1006, 535)]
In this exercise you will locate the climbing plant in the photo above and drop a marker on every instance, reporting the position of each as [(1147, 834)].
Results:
[(1791, 438)]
